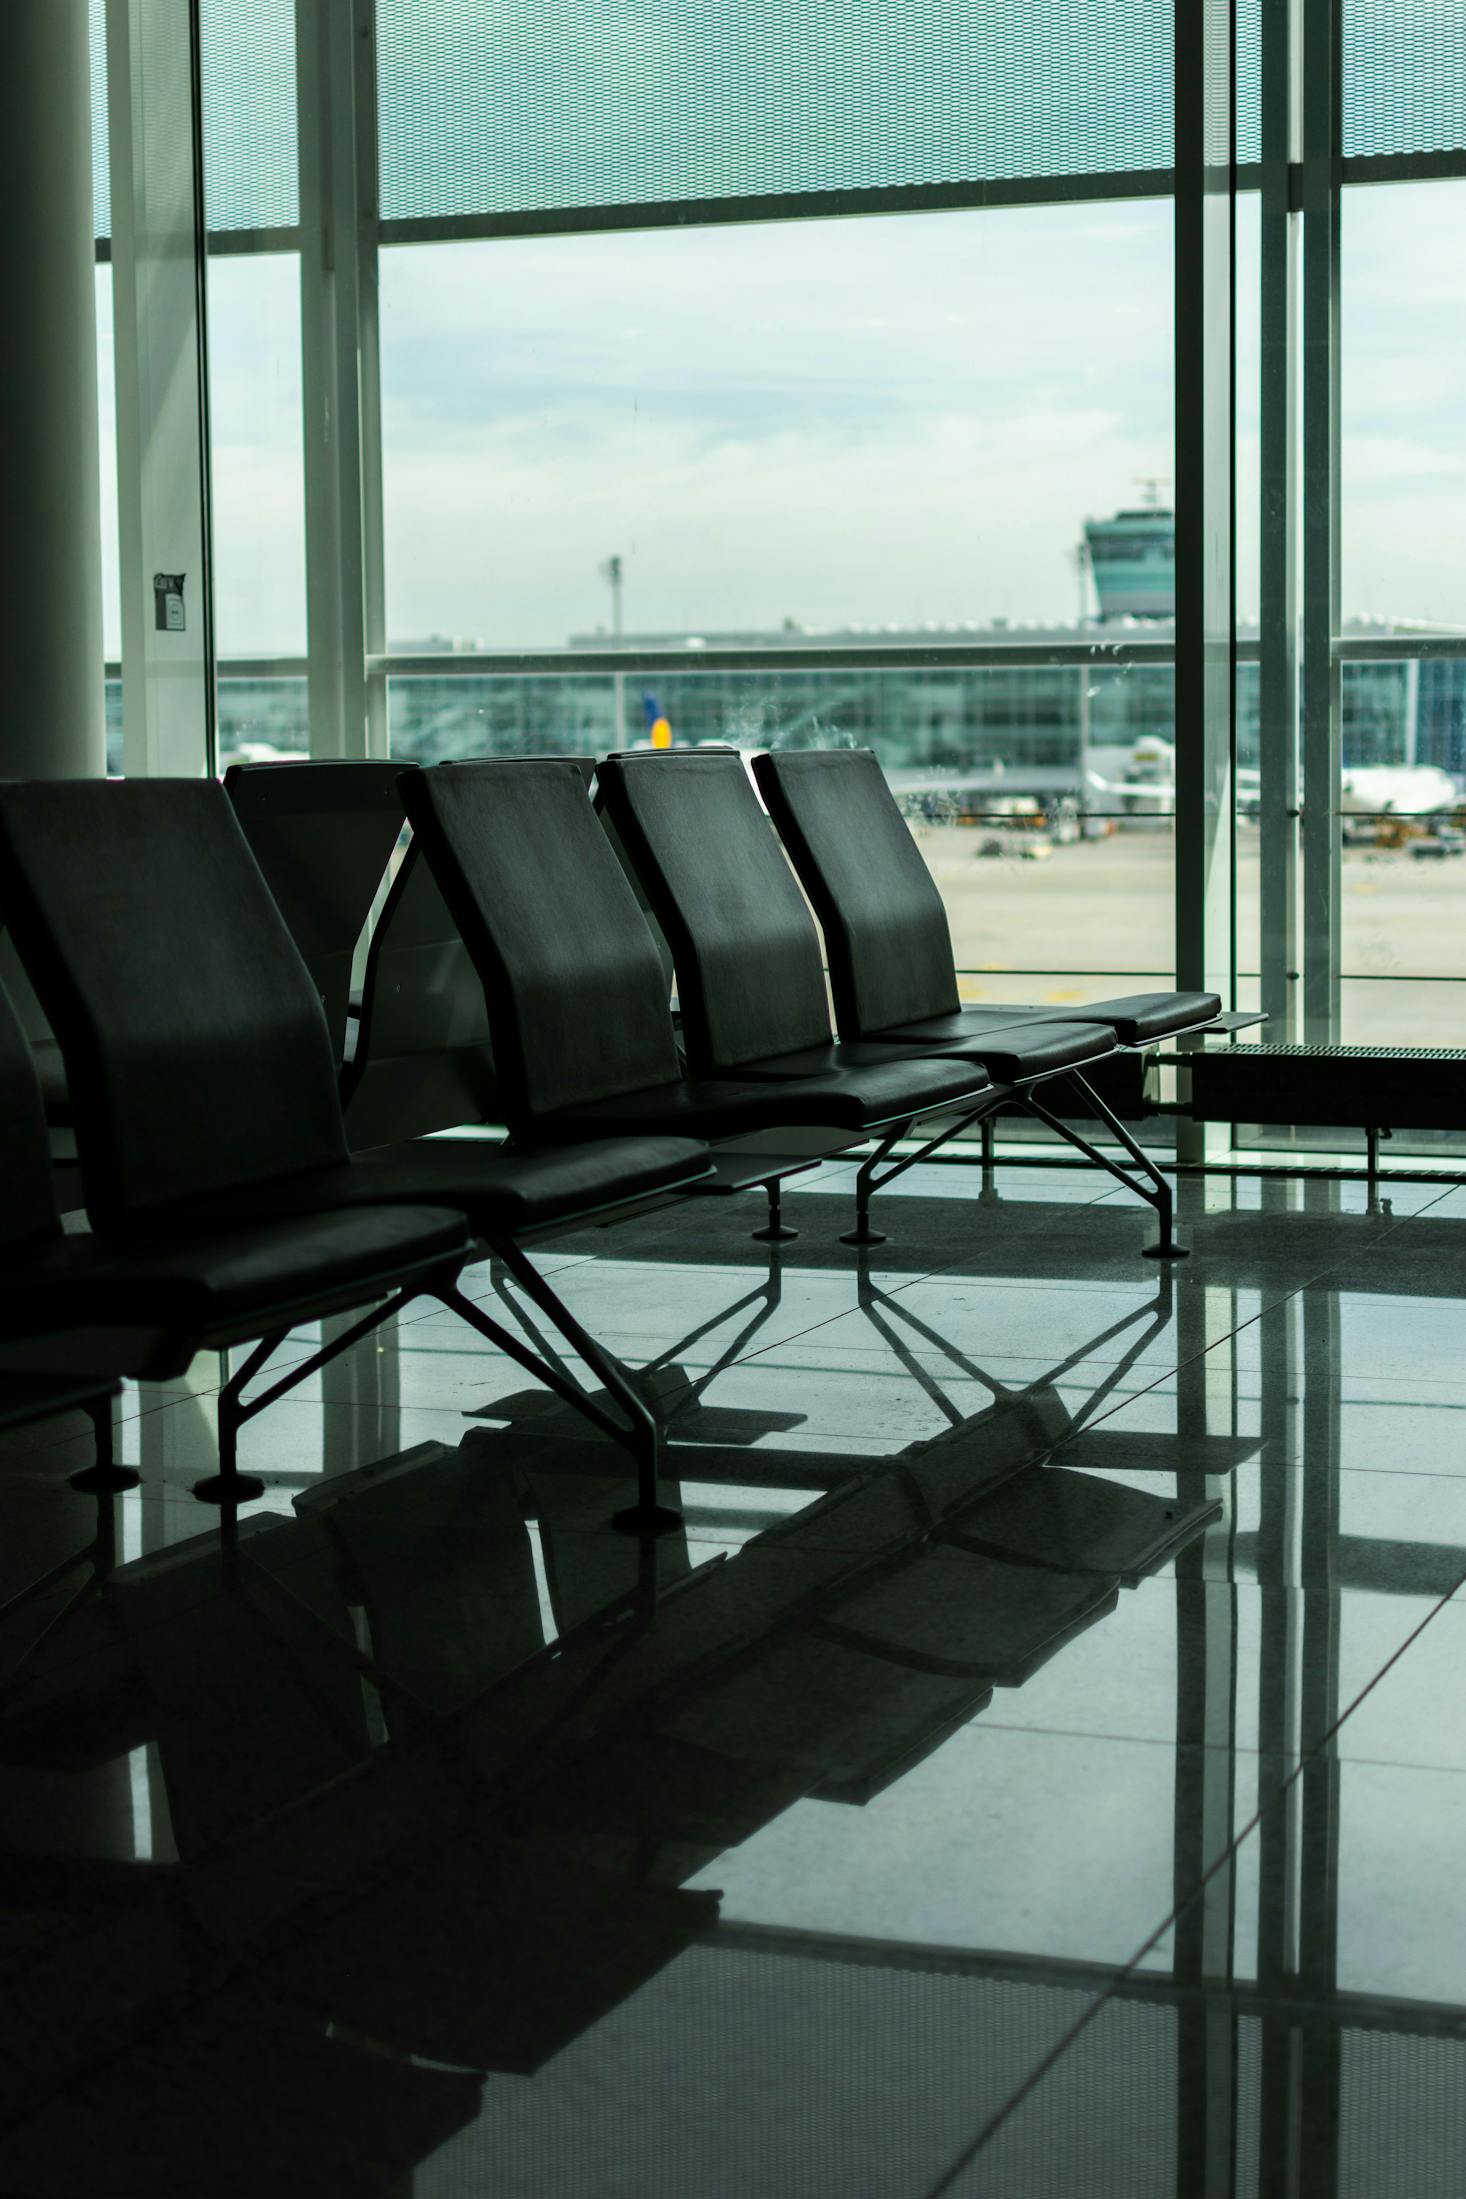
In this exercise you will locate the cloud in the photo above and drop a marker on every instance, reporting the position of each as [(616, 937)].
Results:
[(835, 421)]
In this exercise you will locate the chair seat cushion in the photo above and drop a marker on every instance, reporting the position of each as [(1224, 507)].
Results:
[(200, 1285), (500, 1192), (709, 1107), (523, 1190), (1137, 1019), (1018, 1053), (865, 1087)]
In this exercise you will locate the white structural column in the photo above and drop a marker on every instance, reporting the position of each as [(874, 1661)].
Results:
[(162, 387), (336, 77), (51, 609)]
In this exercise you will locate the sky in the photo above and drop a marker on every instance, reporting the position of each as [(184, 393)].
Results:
[(882, 420)]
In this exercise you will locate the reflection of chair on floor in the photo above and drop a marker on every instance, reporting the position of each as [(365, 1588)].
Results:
[(433, 1552), (293, 1754), (902, 1608), (664, 1378), (468, 1845), (241, 2095), (1024, 1423), (25, 1400)]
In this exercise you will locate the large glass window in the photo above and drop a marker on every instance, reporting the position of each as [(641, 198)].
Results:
[(258, 501), (835, 437), (1403, 896), (846, 428)]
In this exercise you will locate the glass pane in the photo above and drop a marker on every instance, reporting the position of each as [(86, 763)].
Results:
[(258, 468), (250, 163), (261, 719), (825, 437), (255, 377), (986, 764), (1404, 573), (486, 108), (1404, 88), (837, 428), (1403, 328), (101, 180)]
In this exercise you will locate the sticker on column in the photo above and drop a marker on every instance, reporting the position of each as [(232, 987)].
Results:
[(168, 603)]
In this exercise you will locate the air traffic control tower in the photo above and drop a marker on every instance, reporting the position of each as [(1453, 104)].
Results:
[(1133, 560)]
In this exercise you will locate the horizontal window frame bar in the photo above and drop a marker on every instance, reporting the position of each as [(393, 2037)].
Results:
[(1401, 649), (872, 656), (1438, 167), (761, 206), (1028, 970), (238, 668), (229, 243), (969, 197), (875, 656)]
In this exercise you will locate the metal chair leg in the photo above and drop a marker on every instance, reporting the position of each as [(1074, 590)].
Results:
[(775, 1232), (104, 1477)]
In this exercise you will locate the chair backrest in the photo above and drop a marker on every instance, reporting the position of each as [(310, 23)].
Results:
[(576, 998), (195, 1044), (27, 1202), (424, 1057), (886, 930), (633, 879), (750, 975), (322, 833)]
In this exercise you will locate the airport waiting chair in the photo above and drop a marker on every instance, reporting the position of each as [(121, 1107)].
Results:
[(323, 834), (889, 946), (750, 976), (424, 1057), (76, 1307), (205, 1091), (582, 1028), (419, 1057)]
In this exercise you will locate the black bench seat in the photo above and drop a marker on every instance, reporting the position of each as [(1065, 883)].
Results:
[(1137, 1019), (204, 1088), (496, 1188), (886, 933), (751, 984), (577, 998), (889, 947)]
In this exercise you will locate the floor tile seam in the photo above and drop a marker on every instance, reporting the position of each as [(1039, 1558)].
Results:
[(983, 1722), (1223, 1861), (1107, 1994), (795, 1336), (958, 2167), (1120, 1400)]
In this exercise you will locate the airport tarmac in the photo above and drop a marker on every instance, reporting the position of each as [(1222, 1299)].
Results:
[(1097, 918)]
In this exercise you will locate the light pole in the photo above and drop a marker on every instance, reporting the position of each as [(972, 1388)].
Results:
[(1081, 567), (612, 571)]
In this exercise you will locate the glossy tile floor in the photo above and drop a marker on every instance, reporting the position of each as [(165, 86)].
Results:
[(1037, 1768)]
